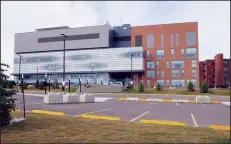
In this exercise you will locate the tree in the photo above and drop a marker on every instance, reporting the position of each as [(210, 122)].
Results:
[(141, 87), (158, 87), (204, 87), (7, 102), (190, 87)]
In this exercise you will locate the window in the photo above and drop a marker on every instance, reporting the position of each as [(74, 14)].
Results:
[(150, 41), (172, 53), (226, 69), (162, 40), (122, 38), (138, 40), (172, 39), (159, 54), (175, 73), (194, 73), (148, 55), (150, 74), (69, 38), (182, 53), (191, 52), (177, 39), (148, 84), (190, 38), (194, 64), (157, 73), (161, 82), (167, 64), (178, 83), (167, 83), (150, 64), (157, 64), (177, 64), (162, 73), (182, 73)]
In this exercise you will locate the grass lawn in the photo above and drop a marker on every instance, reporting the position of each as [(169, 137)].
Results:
[(53, 129), (222, 92)]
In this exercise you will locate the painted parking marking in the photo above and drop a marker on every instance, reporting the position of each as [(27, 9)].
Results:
[(176, 104), (220, 127), (194, 120), (162, 122), (60, 107), (48, 112), (139, 116), (204, 105), (99, 117), (151, 102)]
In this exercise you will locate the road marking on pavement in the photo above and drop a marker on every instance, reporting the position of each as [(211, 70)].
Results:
[(48, 112), (176, 104), (97, 111), (127, 102), (162, 122), (139, 116), (204, 105), (142, 100), (194, 120), (122, 99), (151, 102), (220, 127), (99, 117)]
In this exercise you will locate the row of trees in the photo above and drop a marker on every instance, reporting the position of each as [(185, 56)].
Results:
[(190, 87)]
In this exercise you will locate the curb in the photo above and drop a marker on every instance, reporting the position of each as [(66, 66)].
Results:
[(99, 117), (162, 100), (49, 112)]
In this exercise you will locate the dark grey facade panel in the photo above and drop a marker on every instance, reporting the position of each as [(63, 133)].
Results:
[(69, 38)]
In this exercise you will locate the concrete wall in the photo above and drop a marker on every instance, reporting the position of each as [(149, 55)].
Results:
[(28, 42)]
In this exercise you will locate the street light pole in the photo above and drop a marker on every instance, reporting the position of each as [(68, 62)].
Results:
[(131, 69), (37, 73), (19, 69), (64, 40), (24, 111), (45, 83)]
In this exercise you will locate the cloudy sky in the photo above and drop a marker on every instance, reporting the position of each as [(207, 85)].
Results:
[(23, 16)]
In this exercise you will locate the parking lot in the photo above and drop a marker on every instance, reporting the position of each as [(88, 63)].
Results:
[(191, 114)]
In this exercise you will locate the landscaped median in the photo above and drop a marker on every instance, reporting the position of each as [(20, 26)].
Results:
[(42, 128), (163, 100)]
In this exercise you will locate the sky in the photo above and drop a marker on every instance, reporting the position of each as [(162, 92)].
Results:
[(213, 19)]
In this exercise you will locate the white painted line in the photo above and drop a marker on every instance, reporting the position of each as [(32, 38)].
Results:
[(194, 120), (226, 103), (127, 102), (204, 105), (176, 104), (139, 116), (179, 100), (97, 111), (151, 102)]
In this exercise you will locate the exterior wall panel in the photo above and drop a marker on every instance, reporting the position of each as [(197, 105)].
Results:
[(28, 42)]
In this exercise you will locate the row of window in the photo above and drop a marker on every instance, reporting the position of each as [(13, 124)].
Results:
[(175, 73), (176, 83), (190, 53), (174, 64), (174, 40)]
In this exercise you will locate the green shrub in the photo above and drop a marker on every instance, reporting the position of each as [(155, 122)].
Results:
[(37, 84), (141, 87), (24, 85), (190, 87), (158, 87), (204, 88)]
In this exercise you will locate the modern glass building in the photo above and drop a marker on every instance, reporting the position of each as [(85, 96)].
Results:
[(165, 54)]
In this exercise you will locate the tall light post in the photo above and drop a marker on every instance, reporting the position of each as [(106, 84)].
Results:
[(45, 83), (24, 109), (131, 68), (19, 69), (64, 40)]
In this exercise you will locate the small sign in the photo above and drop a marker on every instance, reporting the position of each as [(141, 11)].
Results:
[(131, 82), (63, 83)]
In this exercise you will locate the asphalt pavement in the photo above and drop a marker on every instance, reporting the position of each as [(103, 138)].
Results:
[(192, 114)]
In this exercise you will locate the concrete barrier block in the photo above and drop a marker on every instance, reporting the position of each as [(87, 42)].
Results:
[(52, 98), (202, 99), (86, 98)]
